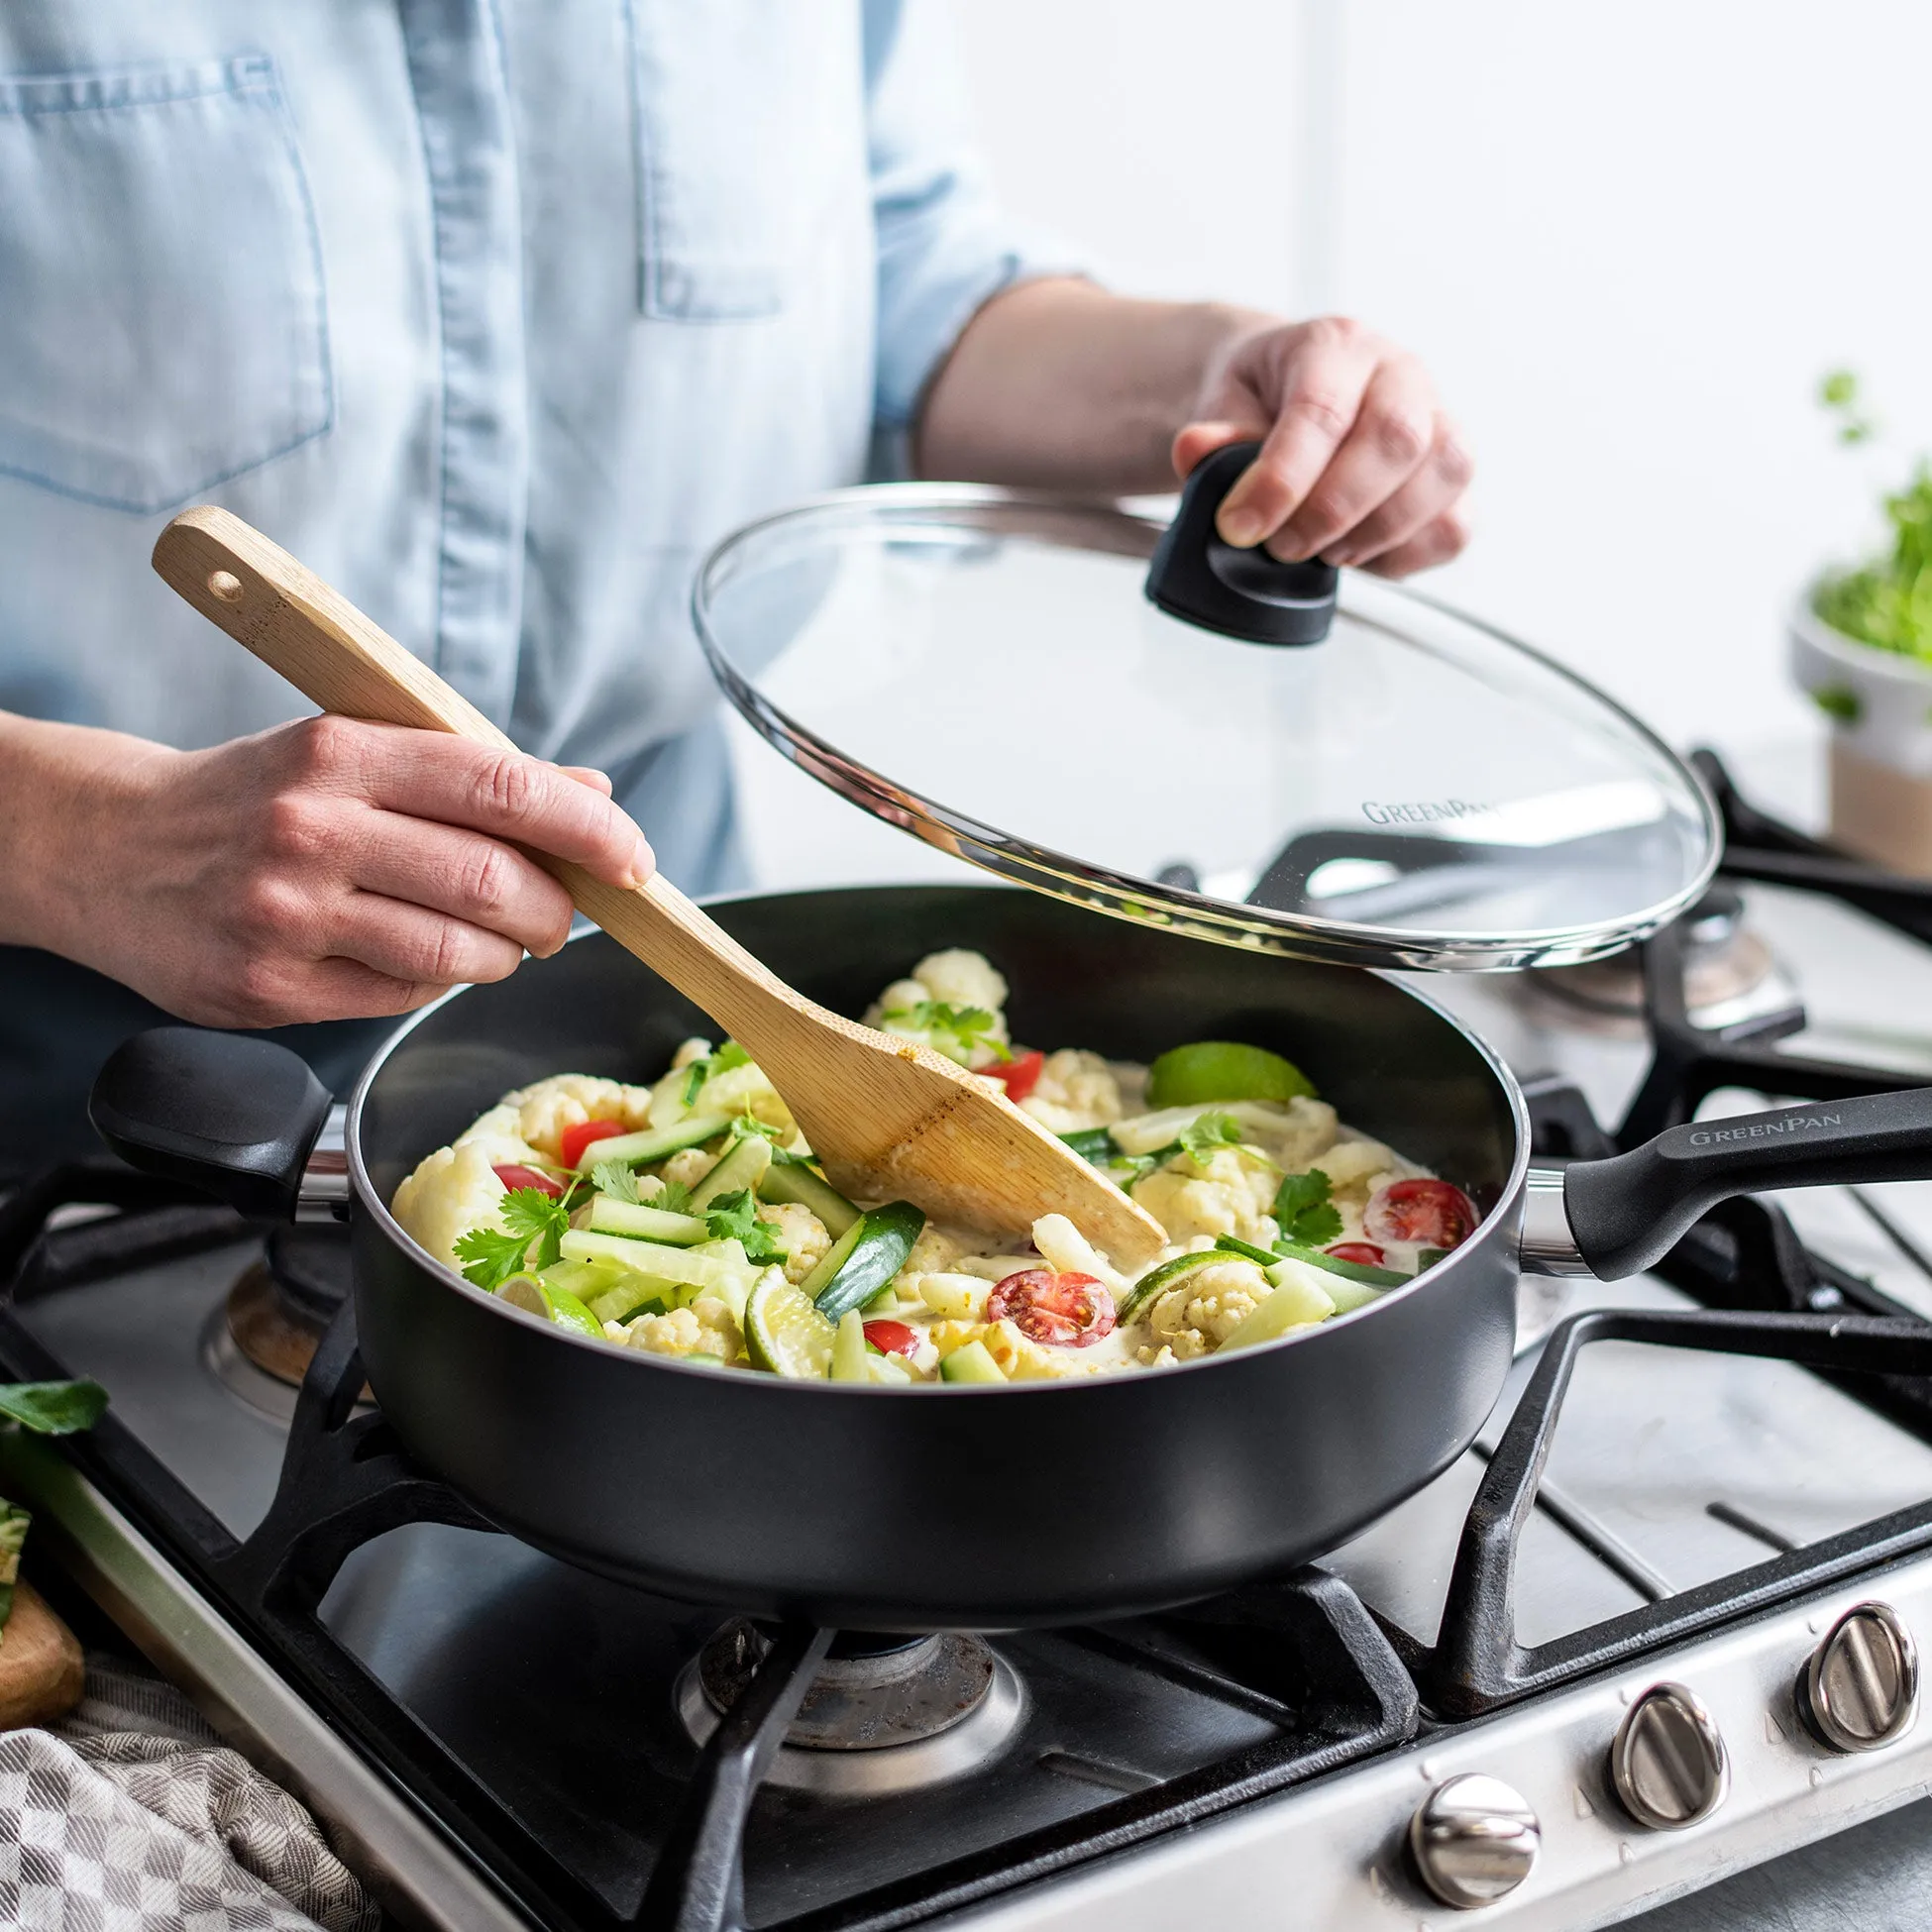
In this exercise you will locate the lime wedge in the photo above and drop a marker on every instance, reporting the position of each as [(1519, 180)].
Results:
[(536, 1296), (1219, 1069), (784, 1331)]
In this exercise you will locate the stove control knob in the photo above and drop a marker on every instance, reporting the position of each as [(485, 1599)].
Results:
[(1475, 1840), (1859, 1689), (1668, 1762)]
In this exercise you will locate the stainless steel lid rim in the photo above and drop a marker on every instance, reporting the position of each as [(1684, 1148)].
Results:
[(794, 567)]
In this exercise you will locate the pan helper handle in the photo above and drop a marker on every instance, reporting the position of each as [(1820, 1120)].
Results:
[(1627, 1213)]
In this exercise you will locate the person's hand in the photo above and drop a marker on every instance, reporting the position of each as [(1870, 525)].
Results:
[(1359, 464), (328, 868)]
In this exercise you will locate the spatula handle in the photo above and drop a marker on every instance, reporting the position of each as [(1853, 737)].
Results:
[(341, 660)]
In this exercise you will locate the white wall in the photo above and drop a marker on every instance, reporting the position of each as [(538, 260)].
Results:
[(1627, 238)]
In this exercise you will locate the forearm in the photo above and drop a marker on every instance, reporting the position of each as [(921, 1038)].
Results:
[(1060, 385), (53, 780)]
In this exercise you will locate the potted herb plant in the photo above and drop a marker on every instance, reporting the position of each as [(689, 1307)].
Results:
[(1862, 647)]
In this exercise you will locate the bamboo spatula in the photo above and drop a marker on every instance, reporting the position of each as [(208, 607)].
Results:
[(886, 1117)]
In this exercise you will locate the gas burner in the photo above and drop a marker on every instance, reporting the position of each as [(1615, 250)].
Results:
[(885, 1713), (1732, 980), (261, 1342)]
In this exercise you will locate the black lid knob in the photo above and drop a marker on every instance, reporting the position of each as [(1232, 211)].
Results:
[(1245, 593)]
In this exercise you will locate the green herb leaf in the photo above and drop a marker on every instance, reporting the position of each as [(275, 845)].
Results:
[(729, 1055), (490, 1257), (1212, 1134), (1096, 1144), (674, 1199), (1302, 1209), (955, 1032), (52, 1408), (735, 1216), (614, 1178), (744, 1127)]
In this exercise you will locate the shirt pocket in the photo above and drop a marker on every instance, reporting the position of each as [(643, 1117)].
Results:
[(161, 312), (746, 113)]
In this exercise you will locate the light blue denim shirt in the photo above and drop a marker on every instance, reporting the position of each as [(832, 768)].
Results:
[(496, 312)]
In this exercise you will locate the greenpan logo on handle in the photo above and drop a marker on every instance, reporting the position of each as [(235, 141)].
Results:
[(1792, 1123)]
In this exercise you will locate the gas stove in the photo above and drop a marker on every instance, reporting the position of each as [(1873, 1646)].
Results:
[(1657, 1626)]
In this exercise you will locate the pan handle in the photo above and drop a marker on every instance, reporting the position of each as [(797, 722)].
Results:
[(1628, 1211), (235, 1116)]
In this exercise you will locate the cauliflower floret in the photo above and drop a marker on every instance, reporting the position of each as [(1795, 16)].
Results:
[(952, 1296), (933, 1252), (568, 1099), (962, 978), (1075, 1090), (694, 1048), (1354, 1167), (801, 1234), (498, 1134), (1224, 1195), (1067, 1250), (1205, 1307), (896, 997), (453, 1191), (993, 1267), (706, 1327), (688, 1166)]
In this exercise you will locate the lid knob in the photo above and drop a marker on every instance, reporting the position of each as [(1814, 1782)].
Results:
[(1243, 594)]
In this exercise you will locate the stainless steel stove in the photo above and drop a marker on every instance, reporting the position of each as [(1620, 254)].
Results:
[(1658, 1624)]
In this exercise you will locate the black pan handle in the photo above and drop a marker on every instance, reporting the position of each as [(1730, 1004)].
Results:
[(1243, 594), (231, 1115), (1628, 1211)]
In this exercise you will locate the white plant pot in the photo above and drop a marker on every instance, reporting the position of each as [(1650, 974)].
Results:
[(1881, 708)]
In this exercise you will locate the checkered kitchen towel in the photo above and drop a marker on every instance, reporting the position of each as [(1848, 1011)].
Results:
[(137, 1820)]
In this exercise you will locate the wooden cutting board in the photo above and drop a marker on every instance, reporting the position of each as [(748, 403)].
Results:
[(41, 1669)]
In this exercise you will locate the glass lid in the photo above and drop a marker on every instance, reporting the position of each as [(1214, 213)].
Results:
[(990, 673)]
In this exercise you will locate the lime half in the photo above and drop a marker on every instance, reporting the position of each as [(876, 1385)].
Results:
[(1221, 1069)]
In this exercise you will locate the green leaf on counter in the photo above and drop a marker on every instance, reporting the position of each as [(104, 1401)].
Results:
[(52, 1408)]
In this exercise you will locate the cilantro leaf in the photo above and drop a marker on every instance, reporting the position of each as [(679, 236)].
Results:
[(1302, 1209), (744, 1126), (729, 1055), (674, 1197), (52, 1408), (614, 1178), (735, 1216), (955, 1032), (1210, 1133), (490, 1257)]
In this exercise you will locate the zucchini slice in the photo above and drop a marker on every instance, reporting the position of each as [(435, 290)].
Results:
[(613, 1217), (742, 1167), (1357, 1272), (971, 1363), (864, 1258), (793, 1180), (655, 1143)]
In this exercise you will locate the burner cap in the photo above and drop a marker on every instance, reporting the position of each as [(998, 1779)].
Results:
[(884, 1712), (262, 1343)]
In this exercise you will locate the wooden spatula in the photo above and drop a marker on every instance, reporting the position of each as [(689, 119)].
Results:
[(886, 1117)]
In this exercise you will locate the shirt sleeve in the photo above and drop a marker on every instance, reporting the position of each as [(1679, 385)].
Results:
[(944, 244)]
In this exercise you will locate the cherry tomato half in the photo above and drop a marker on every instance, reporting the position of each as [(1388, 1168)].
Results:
[(1020, 1074), (893, 1337), (1431, 1214), (1071, 1311), (515, 1176), (577, 1138), (1366, 1253)]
